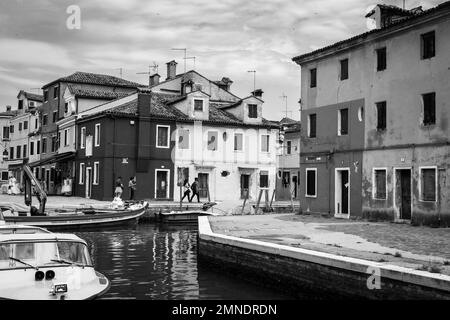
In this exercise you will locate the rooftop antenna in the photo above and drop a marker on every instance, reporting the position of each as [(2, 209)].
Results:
[(182, 49), (150, 67), (254, 79), (120, 70), (190, 58), (284, 97)]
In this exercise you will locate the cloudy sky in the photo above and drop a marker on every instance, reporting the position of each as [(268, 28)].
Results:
[(227, 37)]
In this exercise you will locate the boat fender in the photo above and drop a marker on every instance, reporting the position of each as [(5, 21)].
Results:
[(39, 276), (49, 275)]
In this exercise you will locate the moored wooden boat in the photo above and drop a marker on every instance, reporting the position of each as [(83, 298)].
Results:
[(183, 216), (48, 266), (76, 219)]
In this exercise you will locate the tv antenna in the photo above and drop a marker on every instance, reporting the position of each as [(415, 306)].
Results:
[(153, 67), (254, 79), (182, 49), (189, 58), (120, 70)]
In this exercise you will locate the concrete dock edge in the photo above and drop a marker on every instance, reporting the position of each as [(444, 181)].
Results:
[(396, 282)]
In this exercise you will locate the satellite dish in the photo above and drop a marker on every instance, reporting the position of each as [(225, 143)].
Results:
[(371, 22)]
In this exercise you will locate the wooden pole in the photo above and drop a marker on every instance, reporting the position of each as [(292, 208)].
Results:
[(259, 200), (271, 200), (245, 200), (181, 201)]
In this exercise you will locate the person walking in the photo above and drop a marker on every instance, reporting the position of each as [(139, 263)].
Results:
[(132, 187), (187, 190), (194, 188), (119, 188)]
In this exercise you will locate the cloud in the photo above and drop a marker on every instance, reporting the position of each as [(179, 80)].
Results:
[(227, 37)]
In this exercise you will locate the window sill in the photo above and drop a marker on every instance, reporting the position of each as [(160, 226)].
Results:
[(428, 125), (428, 201), (307, 196), (162, 147)]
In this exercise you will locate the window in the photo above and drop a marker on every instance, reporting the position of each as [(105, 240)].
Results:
[(212, 140), (66, 137), (36, 123), (5, 133), (312, 125), (31, 148), (428, 49), (253, 111), (20, 106), (11, 153), (54, 144), (45, 95), (55, 117), (343, 122), (18, 152), (198, 105), (31, 104), (428, 183), (313, 78), (55, 92), (311, 182), (44, 119), (265, 143), (24, 150), (264, 179), (238, 142), (44, 145), (344, 69), (25, 125), (66, 107), (11, 128), (288, 147), (97, 134), (5, 175), (381, 59), (38, 146), (20, 126), (96, 172), (381, 115), (83, 138), (429, 108), (81, 174), (183, 138), (162, 136), (379, 184)]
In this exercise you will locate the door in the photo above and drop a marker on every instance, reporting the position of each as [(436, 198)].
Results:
[(161, 184), (245, 183), (203, 185), (88, 182), (47, 180), (342, 192), (405, 192), (294, 186)]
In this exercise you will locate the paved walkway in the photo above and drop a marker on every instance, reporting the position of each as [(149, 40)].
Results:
[(421, 248)]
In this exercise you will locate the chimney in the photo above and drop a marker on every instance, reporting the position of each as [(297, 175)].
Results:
[(171, 70), (8, 108), (227, 83), (154, 80), (257, 93)]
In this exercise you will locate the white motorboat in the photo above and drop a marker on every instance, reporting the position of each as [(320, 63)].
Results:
[(47, 266)]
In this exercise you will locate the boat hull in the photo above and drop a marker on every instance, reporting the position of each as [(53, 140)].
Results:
[(79, 221), (184, 217)]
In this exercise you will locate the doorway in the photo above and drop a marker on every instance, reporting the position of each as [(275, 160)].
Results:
[(342, 192), (403, 193), (294, 186), (245, 184), (162, 184), (203, 185), (88, 182)]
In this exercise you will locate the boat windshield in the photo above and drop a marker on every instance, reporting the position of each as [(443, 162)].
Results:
[(22, 255)]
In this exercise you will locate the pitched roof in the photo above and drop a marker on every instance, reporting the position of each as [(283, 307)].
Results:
[(31, 96), (363, 36), (96, 93), (287, 120), (96, 78)]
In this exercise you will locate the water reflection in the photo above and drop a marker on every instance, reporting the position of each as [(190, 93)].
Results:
[(160, 262)]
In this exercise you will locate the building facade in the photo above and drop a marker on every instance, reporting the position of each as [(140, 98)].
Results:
[(288, 161), (375, 110)]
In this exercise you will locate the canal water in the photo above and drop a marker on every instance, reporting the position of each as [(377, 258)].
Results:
[(152, 261)]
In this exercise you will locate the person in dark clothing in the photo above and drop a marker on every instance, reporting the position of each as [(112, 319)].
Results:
[(187, 190), (194, 188), (132, 187)]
